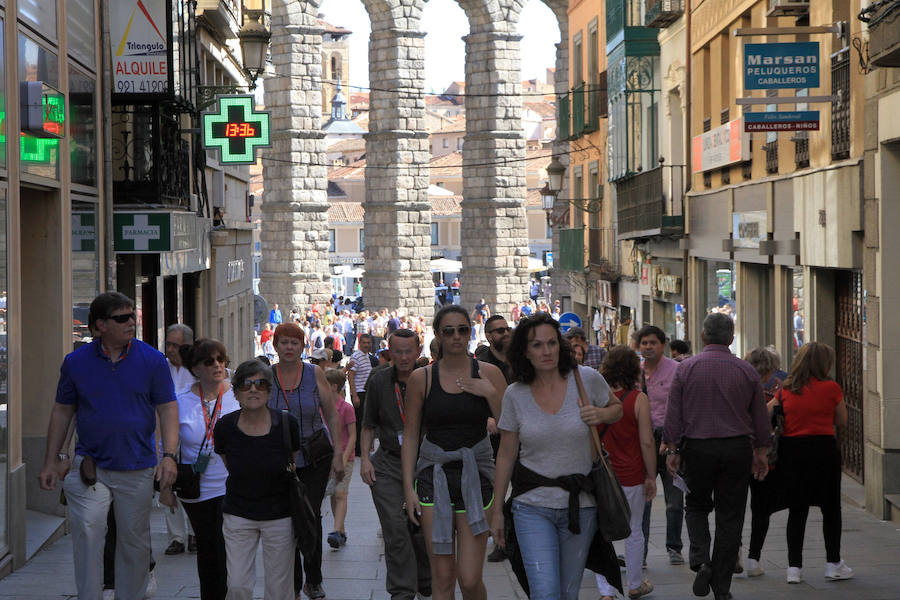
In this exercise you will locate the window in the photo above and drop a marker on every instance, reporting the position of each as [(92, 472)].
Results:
[(85, 264), (459, 144), (4, 437), (594, 194), (435, 237), (2, 103), (39, 156), (40, 14), (578, 196), (577, 58), (80, 31), (362, 239), (332, 240), (82, 129), (445, 142)]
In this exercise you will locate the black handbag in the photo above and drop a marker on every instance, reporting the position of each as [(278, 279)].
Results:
[(613, 512), (187, 482), (316, 447), (777, 429), (303, 517)]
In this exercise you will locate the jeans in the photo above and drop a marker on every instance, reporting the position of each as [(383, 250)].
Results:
[(315, 478), (717, 471), (674, 506), (206, 520), (634, 544), (88, 510), (553, 556), (242, 537)]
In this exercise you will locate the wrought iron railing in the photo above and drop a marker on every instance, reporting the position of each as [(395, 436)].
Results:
[(651, 203), (840, 109), (801, 149), (662, 13), (772, 156)]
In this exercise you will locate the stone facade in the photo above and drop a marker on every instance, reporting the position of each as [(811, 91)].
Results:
[(398, 220)]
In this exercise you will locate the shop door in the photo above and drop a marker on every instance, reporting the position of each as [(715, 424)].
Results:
[(849, 367)]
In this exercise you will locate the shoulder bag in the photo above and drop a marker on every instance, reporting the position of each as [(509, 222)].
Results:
[(613, 512), (303, 517), (777, 429), (317, 446), (187, 481)]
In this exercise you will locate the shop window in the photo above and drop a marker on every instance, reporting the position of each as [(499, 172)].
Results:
[(80, 36), (40, 14), (798, 316), (2, 104), (4, 437), (718, 291), (85, 265), (38, 156), (435, 237), (82, 128), (332, 240)]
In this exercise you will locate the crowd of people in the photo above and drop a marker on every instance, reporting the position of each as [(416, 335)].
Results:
[(249, 454)]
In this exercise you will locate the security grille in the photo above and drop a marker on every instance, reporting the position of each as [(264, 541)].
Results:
[(849, 368)]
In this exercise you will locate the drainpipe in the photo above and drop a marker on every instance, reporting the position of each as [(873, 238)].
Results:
[(106, 131), (688, 171)]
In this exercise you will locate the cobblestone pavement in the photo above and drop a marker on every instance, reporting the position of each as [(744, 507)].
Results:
[(356, 572)]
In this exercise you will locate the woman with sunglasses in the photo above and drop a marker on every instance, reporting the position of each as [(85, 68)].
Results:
[(302, 390), (257, 504), (451, 486), (199, 409)]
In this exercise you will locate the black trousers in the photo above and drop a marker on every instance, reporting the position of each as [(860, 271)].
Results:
[(206, 519), (717, 472), (315, 477), (359, 418)]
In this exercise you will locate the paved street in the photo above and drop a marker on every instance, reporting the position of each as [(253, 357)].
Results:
[(356, 572)]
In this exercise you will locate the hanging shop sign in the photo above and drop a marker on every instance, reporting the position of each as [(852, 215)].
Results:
[(151, 232), (748, 228), (725, 145), (668, 284), (236, 129), (781, 65), (84, 231), (141, 47), (782, 120)]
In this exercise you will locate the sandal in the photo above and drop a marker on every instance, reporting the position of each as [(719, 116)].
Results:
[(645, 588), (607, 598)]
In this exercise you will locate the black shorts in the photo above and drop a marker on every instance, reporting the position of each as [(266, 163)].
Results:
[(453, 471)]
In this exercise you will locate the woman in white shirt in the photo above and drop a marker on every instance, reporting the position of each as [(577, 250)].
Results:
[(199, 408)]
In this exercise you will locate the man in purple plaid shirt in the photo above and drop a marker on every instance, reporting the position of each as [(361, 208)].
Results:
[(717, 417), (593, 355)]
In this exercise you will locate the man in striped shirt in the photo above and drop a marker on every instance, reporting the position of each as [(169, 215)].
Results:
[(360, 367)]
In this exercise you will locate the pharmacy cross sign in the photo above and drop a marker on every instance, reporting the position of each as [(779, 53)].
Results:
[(236, 129)]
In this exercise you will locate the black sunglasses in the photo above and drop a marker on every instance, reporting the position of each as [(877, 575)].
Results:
[(260, 384), (500, 330), (449, 330), (212, 360), (123, 318)]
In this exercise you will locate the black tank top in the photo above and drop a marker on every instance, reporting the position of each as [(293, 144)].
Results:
[(454, 420)]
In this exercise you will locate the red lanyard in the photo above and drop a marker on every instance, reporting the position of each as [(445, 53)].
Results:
[(400, 402), (287, 404), (210, 417)]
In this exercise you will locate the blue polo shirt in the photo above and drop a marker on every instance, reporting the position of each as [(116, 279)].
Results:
[(116, 403)]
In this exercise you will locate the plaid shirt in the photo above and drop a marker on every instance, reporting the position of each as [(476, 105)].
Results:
[(595, 356), (716, 395)]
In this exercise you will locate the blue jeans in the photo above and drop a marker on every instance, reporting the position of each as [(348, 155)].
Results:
[(674, 506), (554, 557)]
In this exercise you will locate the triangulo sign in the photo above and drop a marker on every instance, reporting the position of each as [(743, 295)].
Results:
[(782, 65)]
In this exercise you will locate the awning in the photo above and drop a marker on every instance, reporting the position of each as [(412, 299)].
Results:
[(445, 265)]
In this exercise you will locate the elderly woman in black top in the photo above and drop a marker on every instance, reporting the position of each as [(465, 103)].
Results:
[(257, 506)]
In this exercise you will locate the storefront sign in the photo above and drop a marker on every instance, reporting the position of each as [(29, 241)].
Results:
[(725, 145), (43, 110), (234, 271), (793, 120), (139, 31), (668, 284), (84, 232), (781, 65), (236, 129), (748, 228)]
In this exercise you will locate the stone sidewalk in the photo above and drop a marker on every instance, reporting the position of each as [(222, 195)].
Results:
[(356, 572)]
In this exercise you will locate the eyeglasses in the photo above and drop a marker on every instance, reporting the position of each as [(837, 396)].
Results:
[(123, 318), (260, 384), (500, 330), (449, 330), (212, 360)]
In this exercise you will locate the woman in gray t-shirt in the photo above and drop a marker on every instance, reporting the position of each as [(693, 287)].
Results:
[(542, 414)]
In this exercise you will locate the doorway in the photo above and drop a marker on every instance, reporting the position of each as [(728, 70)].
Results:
[(849, 367)]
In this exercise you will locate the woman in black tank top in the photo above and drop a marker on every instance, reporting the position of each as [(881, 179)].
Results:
[(451, 401)]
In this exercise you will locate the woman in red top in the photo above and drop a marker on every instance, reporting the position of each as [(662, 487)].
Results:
[(808, 452), (632, 454)]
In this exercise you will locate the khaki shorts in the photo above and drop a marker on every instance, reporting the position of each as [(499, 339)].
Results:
[(344, 484)]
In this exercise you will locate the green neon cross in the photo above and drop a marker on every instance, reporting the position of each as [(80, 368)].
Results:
[(236, 112)]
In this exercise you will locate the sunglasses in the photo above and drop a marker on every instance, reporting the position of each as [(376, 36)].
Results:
[(260, 384), (460, 329), (123, 318), (500, 330), (218, 359)]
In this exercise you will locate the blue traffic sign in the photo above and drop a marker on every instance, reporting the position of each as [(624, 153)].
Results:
[(569, 320)]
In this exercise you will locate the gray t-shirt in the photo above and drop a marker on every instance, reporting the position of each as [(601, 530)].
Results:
[(553, 445)]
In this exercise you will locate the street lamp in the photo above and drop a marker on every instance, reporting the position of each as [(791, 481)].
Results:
[(548, 199), (555, 170), (254, 39)]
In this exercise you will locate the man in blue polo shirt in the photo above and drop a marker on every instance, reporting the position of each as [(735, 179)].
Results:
[(118, 386)]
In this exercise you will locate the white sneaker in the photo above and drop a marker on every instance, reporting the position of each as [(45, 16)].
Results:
[(794, 575), (753, 568), (151, 585), (838, 570)]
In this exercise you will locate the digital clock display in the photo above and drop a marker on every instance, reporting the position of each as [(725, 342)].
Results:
[(239, 130), (236, 129)]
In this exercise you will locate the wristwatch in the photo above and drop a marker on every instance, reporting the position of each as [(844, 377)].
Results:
[(62, 456), (670, 452), (170, 455)]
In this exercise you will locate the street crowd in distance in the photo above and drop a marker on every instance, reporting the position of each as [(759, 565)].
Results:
[(546, 439)]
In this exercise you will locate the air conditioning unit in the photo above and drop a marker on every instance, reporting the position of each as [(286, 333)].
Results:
[(788, 8)]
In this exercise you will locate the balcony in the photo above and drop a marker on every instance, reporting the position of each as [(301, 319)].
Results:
[(662, 13), (579, 111), (788, 8), (884, 34), (224, 15), (651, 203), (840, 110)]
